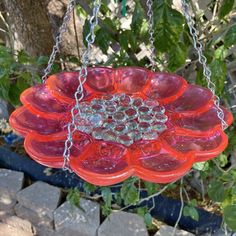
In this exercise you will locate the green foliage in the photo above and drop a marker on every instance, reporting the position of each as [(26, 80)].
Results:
[(129, 192), (107, 198), (89, 188), (230, 36), (226, 8), (201, 166), (151, 187), (148, 219), (143, 211), (73, 197), (168, 25), (190, 210), (17, 72), (216, 191), (230, 216)]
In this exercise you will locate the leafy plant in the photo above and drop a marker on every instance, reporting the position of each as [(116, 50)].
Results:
[(17, 72)]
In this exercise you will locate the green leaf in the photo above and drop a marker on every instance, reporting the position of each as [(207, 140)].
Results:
[(221, 52), (193, 203), (233, 190), (14, 94), (89, 188), (230, 36), (177, 56), (191, 212), (216, 191), (229, 213), (151, 187), (74, 197), (219, 71), (137, 19), (168, 25), (226, 8), (81, 12), (103, 40), (148, 219), (129, 193), (223, 159), (201, 166), (42, 60), (24, 58), (5, 87), (142, 211), (106, 210), (127, 40), (107, 196)]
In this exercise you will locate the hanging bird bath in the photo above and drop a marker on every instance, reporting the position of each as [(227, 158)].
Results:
[(131, 121)]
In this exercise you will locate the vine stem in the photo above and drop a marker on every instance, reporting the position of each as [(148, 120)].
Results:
[(181, 207)]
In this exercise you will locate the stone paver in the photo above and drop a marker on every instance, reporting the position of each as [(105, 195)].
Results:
[(4, 214), (167, 230), (7, 230), (73, 221), (44, 231), (122, 223), (34, 217), (41, 198), (10, 183), (21, 224)]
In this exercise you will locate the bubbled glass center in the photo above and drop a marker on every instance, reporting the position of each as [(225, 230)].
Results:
[(121, 118)]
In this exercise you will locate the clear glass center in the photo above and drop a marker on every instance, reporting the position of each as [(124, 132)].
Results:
[(122, 118)]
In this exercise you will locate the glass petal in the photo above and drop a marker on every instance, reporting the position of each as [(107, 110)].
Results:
[(64, 85), (23, 121), (202, 122), (194, 98), (153, 162), (103, 163), (101, 79), (165, 87), (131, 79), (204, 145), (51, 148), (38, 99)]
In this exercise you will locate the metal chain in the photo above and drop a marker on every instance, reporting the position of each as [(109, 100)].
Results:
[(151, 33), (58, 40), (202, 59), (79, 95)]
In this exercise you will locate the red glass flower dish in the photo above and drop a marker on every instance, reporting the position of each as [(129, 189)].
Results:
[(193, 131)]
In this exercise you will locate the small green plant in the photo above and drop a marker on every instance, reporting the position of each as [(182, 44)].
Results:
[(17, 72), (73, 197)]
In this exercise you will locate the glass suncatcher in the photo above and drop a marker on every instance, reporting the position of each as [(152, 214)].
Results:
[(108, 124)]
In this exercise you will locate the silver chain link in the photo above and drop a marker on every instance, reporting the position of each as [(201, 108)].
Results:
[(151, 33), (202, 59), (58, 40), (79, 95)]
